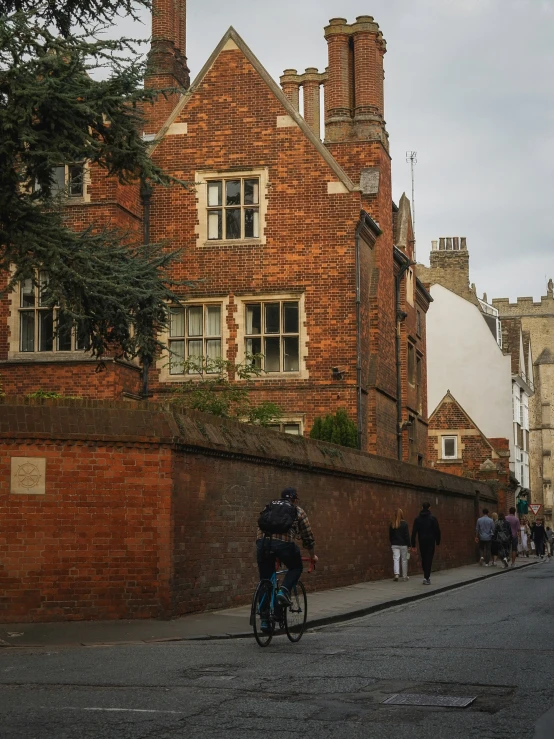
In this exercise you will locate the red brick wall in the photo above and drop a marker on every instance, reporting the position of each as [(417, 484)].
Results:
[(146, 514), (107, 380)]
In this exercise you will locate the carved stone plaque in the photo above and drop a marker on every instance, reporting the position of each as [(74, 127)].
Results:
[(28, 476), (369, 181)]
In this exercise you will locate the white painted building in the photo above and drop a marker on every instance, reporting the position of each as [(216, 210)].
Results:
[(464, 357)]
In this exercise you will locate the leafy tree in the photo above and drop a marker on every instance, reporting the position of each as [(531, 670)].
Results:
[(213, 389), (55, 108), (338, 429)]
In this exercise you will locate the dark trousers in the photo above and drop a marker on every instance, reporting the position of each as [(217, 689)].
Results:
[(427, 552), (485, 550), (268, 550)]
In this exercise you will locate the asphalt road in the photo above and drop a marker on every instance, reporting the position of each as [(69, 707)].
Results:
[(493, 640)]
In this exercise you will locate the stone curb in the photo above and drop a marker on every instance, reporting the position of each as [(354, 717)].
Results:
[(311, 623)]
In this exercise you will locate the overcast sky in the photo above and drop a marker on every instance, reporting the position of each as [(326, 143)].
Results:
[(469, 86)]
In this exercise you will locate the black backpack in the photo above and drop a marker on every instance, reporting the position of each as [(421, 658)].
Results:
[(278, 517)]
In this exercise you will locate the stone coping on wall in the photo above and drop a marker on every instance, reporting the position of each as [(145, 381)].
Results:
[(134, 422)]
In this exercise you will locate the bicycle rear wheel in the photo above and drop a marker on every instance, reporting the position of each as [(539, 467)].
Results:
[(261, 613), (297, 613)]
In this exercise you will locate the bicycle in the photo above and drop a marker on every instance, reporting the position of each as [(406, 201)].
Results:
[(291, 619)]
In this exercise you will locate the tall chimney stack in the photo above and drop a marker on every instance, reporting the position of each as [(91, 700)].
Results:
[(167, 60), (355, 86), (339, 92)]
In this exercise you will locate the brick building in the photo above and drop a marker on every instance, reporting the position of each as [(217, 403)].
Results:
[(457, 446), (294, 244), (536, 319)]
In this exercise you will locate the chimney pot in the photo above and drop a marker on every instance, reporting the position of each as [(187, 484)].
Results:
[(456, 243), (442, 246), (434, 245), (463, 244), (448, 243), (338, 22)]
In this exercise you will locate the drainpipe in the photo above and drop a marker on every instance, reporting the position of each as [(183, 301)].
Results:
[(146, 197), (359, 331), (400, 316), (365, 220)]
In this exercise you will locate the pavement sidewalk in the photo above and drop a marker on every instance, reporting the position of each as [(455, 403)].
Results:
[(324, 607)]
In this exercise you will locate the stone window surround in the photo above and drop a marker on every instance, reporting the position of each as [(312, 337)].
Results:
[(14, 299), (162, 364), (457, 438), (241, 302), (201, 181)]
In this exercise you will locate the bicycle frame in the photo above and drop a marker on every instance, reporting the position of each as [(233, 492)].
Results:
[(275, 585)]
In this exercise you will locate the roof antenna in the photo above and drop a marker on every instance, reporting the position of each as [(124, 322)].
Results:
[(411, 158)]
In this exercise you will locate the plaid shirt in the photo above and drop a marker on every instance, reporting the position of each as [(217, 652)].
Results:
[(301, 529)]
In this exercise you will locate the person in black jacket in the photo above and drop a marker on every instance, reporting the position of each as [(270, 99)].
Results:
[(426, 528), (399, 537)]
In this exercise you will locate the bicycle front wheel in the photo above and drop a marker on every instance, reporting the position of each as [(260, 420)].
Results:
[(297, 613), (262, 618)]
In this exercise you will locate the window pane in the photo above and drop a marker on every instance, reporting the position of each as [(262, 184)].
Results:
[(215, 224), (176, 357), (272, 355), (292, 428), (64, 326), (292, 363), (214, 194), (44, 295), (251, 192), (254, 346), (195, 352), (195, 319), (232, 223), (449, 447), (254, 319), (58, 184), (232, 190), (214, 321), (290, 318), (251, 224), (213, 349), (45, 330), (76, 178), (81, 339), (27, 294), (27, 331), (272, 318), (177, 322)]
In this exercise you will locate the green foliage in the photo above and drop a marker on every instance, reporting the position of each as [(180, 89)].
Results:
[(49, 394), (64, 99), (223, 388), (338, 429)]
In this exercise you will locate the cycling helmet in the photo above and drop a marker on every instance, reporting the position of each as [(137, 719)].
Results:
[(289, 493)]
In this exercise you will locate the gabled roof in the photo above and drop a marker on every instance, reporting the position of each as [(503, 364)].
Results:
[(449, 398), (232, 40)]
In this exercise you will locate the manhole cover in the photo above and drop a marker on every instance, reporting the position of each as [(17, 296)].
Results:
[(417, 699)]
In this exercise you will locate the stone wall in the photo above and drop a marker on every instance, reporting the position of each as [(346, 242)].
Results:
[(139, 512)]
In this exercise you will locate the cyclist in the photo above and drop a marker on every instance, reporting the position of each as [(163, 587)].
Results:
[(283, 521)]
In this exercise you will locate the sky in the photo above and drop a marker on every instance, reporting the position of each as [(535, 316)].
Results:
[(469, 86)]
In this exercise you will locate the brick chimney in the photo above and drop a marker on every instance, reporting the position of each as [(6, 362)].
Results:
[(167, 60), (355, 86), (339, 90), (290, 84)]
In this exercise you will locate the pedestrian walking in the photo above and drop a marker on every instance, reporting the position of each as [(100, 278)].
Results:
[(483, 536), (494, 543), (515, 526), (503, 537), (426, 529), (524, 537), (549, 534), (538, 535), (399, 536)]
